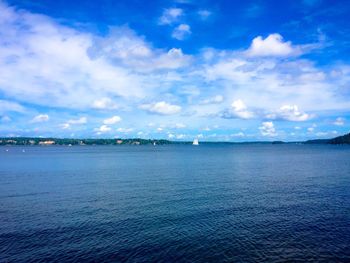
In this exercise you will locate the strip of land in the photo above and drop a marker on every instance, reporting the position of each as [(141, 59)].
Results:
[(345, 139)]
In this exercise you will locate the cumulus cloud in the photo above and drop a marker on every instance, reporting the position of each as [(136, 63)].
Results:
[(104, 104), (173, 59), (53, 60), (170, 15), (238, 110), (40, 118), (213, 100), (272, 45), (80, 121), (112, 120), (268, 129), (266, 82), (289, 113), (181, 32), (68, 68), (339, 121), (162, 108), (102, 129), (123, 46), (63, 67)]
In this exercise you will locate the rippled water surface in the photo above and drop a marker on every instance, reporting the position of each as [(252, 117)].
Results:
[(177, 203)]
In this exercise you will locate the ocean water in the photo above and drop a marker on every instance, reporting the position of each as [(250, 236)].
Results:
[(175, 203)]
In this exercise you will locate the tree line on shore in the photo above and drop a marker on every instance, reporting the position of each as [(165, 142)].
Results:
[(67, 141), (345, 139)]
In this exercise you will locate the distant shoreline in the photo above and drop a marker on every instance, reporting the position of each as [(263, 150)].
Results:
[(32, 141)]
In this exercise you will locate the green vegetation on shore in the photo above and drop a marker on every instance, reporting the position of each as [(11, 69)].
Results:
[(65, 141), (345, 139)]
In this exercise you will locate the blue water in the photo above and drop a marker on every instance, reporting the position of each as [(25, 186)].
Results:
[(176, 203)]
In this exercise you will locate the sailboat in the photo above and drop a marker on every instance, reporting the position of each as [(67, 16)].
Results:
[(195, 142)]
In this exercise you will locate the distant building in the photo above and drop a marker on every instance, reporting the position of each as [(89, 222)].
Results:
[(136, 143), (47, 143), (119, 141)]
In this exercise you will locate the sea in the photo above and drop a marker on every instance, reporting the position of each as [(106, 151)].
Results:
[(175, 203)]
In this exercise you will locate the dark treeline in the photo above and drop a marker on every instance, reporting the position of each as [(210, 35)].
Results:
[(67, 141), (345, 139)]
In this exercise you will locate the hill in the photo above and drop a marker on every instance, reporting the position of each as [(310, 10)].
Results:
[(345, 139)]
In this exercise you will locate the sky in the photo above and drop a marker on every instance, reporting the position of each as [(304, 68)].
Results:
[(175, 69)]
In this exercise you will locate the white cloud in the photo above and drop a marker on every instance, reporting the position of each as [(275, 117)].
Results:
[(61, 66), (267, 129), (40, 118), (69, 123), (8, 106), (204, 14), (238, 134), (173, 59), (177, 136), (112, 120), (102, 129), (104, 104), (53, 60), (64, 126), (161, 107), (180, 126), (170, 16), (213, 100), (238, 110), (289, 113), (310, 129), (123, 46), (181, 32), (273, 45), (68, 68), (339, 121), (125, 130), (81, 120), (266, 82)]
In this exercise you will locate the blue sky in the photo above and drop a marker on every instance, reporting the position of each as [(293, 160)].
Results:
[(215, 70)]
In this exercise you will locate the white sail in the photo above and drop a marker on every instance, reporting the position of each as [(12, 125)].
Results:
[(195, 142)]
